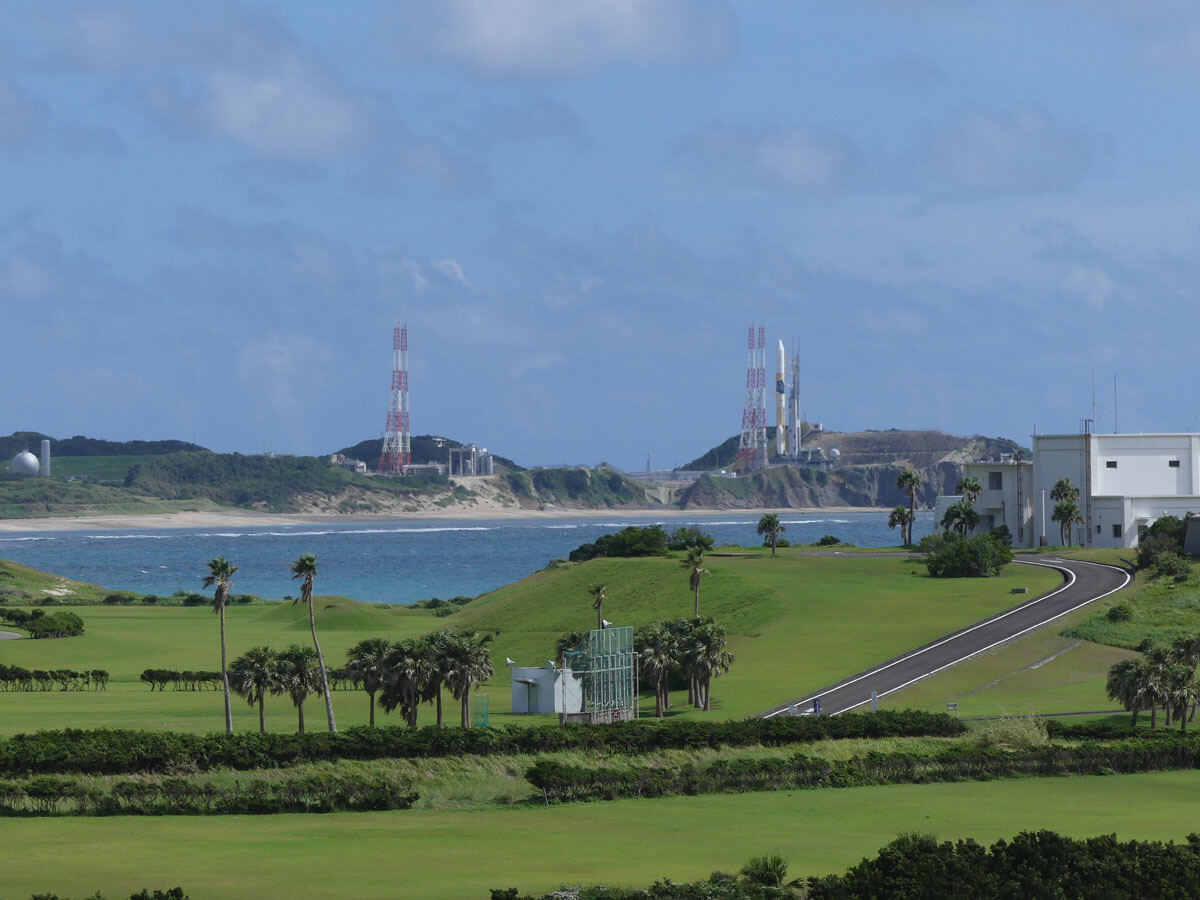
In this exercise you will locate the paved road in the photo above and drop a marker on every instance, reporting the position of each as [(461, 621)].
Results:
[(8, 635), (1083, 584)]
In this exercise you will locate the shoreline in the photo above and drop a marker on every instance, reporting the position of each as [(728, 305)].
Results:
[(237, 518)]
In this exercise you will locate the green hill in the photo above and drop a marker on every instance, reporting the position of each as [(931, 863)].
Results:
[(85, 446), (426, 448)]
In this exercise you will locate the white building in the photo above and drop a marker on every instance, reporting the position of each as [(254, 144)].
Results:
[(1125, 482), (545, 689)]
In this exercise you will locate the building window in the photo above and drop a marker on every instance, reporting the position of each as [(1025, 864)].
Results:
[(1097, 529), (1116, 529), (1173, 463), (1112, 464), (995, 481)]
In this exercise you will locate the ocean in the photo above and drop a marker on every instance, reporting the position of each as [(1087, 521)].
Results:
[(384, 562)]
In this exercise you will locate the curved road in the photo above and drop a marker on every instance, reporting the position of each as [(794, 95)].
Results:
[(1084, 583)]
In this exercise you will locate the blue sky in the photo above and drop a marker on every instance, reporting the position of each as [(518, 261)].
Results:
[(212, 215)]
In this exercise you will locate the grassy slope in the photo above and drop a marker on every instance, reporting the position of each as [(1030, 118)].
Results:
[(20, 583), (458, 854), (796, 623)]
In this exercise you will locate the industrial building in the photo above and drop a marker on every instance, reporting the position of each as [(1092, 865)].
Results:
[(1125, 482), (470, 460)]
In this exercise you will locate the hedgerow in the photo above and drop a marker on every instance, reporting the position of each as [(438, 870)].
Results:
[(116, 752)]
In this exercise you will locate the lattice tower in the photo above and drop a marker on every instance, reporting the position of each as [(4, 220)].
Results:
[(752, 447), (397, 435)]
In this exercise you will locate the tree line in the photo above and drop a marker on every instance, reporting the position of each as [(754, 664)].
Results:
[(17, 678), (41, 624), (1160, 678), (400, 674), (917, 866)]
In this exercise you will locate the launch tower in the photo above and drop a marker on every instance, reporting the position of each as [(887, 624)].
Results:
[(397, 436), (752, 448)]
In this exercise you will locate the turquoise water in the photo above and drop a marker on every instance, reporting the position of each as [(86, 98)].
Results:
[(390, 562)]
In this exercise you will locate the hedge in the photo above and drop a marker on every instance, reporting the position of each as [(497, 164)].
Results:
[(564, 782), (116, 752)]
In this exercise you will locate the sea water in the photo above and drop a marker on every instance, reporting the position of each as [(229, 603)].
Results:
[(388, 562)]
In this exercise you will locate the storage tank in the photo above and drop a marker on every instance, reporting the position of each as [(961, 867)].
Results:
[(24, 463)]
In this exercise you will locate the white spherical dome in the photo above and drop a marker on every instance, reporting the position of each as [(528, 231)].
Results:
[(25, 463), (835, 452)]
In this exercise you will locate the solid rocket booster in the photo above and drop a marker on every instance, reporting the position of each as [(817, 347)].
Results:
[(781, 429)]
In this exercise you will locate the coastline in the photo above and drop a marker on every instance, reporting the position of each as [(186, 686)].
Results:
[(237, 518)]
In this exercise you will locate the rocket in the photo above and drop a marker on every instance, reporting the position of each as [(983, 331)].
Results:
[(781, 429)]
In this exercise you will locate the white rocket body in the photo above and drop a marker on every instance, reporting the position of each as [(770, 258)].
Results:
[(781, 429)]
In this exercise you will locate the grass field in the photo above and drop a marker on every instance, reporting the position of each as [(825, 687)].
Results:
[(459, 855), (795, 622)]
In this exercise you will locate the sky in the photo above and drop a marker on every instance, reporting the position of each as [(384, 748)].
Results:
[(962, 215)]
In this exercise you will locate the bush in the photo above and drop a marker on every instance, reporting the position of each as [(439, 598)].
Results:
[(1171, 565), (686, 538), (1154, 545), (1121, 612), (649, 540), (971, 557), (828, 540)]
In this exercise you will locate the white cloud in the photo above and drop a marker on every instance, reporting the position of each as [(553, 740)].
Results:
[(24, 280), (285, 113), (1019, 150), (1094, 286), (798, 159), (524, 38), (451, 268)]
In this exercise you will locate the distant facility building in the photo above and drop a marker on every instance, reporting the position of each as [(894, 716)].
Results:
[(1125, 482), (470, 460), (24, 463), (344, 462)]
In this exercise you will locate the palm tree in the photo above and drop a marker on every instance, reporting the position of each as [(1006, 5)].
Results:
[(693, 561), (709, 658), (770, 527), (1066, 513), (298, 675), (657, 657), (960, 517), (253, 675), (469, 662), (365, 665), (305, 568), (433, 652), (970, 488), (400, 679), (1125, 686), (597, 591), (901, 517), (220, 573), (910, 482)]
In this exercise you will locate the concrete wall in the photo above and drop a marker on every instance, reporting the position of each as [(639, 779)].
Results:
[(543, 689)]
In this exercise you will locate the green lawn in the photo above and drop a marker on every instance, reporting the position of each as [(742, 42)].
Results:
[(430, 854), (795, 622)]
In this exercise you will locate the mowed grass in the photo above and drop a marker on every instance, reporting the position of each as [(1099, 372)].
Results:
[(459, 855), (1048, 671), (796, 623)]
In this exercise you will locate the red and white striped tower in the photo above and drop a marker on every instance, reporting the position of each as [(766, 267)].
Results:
[(752, 446), (397, 436)]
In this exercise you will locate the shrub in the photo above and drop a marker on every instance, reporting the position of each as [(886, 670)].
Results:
[(971, 557), (1154, 545), (1169, 564), (1121, 612), (687, 537), (828, 540)]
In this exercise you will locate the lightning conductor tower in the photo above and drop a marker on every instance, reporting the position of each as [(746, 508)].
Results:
[(752, 446), (795, 421), (397, 436)]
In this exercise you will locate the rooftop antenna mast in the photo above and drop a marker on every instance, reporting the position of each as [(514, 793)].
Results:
[(397, 435)]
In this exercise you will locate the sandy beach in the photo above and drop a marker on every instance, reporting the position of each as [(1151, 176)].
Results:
[(237, 518)]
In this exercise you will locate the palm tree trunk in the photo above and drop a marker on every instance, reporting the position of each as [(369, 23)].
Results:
[(696, 608), (1153, 715), (439, 703), (371, 694), (466, 709), (707, 703), (262, 715), (225, 677), (300, 713), (312, 621)]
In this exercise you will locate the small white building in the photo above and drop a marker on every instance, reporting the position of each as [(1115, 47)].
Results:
[(1125, 482), (545, 689)]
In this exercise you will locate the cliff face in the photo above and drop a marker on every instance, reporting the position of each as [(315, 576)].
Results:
[(789, 487)]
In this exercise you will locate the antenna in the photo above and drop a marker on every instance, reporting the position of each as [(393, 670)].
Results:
[(1116, 421), (1093, 396), (397, 436)]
